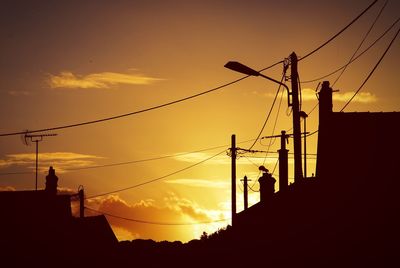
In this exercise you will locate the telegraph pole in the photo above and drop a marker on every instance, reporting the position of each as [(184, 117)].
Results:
[(304, 116), (245, 192), (283, 163), (233, 173), (298, 174)]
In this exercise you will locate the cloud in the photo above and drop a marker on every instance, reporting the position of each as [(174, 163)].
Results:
[(221, 159), (67, 79), (17, 93), (309, 94), (362, 97), (7, 188), (172, 209), (61, 161), (200, 183)]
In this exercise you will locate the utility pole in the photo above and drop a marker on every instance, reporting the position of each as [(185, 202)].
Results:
[(233, 174), (304, 116), (283, 163), (36, 138), (245, 192), (298, 174)]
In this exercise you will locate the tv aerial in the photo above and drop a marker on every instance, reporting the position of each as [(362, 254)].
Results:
[(28, 138)]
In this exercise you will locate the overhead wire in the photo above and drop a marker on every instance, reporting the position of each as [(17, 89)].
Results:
[(135, 112), (269, 114), (155, 179), (185, 98), (339, 33), (361, 43), (355, 58), (372, 71), (131, 162), (154, 222)]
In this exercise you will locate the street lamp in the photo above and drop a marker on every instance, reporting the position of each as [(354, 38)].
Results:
[(241, 68), (294, 94)]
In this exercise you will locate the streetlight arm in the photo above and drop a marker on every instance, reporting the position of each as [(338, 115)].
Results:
[(276, 81), (241, 68)]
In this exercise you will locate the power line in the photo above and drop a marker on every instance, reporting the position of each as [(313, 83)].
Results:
[(357, 57), (135, 112), (154, 222), (156, 179), (133, 161), (269, 113), (182, 99), (372, 71), (340, 32), (16, 173), (147, 159), (362, 42)]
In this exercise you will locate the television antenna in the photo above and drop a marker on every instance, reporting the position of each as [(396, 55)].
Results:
[(27, 139)]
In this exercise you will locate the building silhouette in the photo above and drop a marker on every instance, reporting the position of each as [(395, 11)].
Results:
[(37, 227), (345, 216)]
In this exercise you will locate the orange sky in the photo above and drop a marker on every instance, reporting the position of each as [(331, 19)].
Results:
[(65, 62)]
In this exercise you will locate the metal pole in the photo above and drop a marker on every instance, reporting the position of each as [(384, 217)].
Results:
[(305, 148), (283, 163), (37, 156), (81, 203), (296, 119), (233, 172), (245, 192)]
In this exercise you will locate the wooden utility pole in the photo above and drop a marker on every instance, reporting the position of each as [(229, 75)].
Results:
[(233, 173), (298, 174)]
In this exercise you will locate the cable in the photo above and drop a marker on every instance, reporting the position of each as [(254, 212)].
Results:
[(269, 113), (145, 160), (362, 42), (135, 112), (312, 133), (16, 173), (276, 164), (153, 222), (357, 57), (156, 179), (372, 71), (182, 99), (340, 32), (131, 162)]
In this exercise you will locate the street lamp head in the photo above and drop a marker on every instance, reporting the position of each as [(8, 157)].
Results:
[(238, 67)]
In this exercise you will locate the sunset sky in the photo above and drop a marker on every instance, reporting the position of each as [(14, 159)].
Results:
[(67, 62)]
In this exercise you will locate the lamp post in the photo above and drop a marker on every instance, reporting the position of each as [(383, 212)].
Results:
[(238, 67)]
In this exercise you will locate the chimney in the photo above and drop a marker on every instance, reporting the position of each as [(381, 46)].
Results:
[(267, 185), (325, 101), (51, 182), (81, 202), (325, 112)]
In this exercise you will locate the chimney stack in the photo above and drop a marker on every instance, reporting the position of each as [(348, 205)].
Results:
[(51, 182)]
